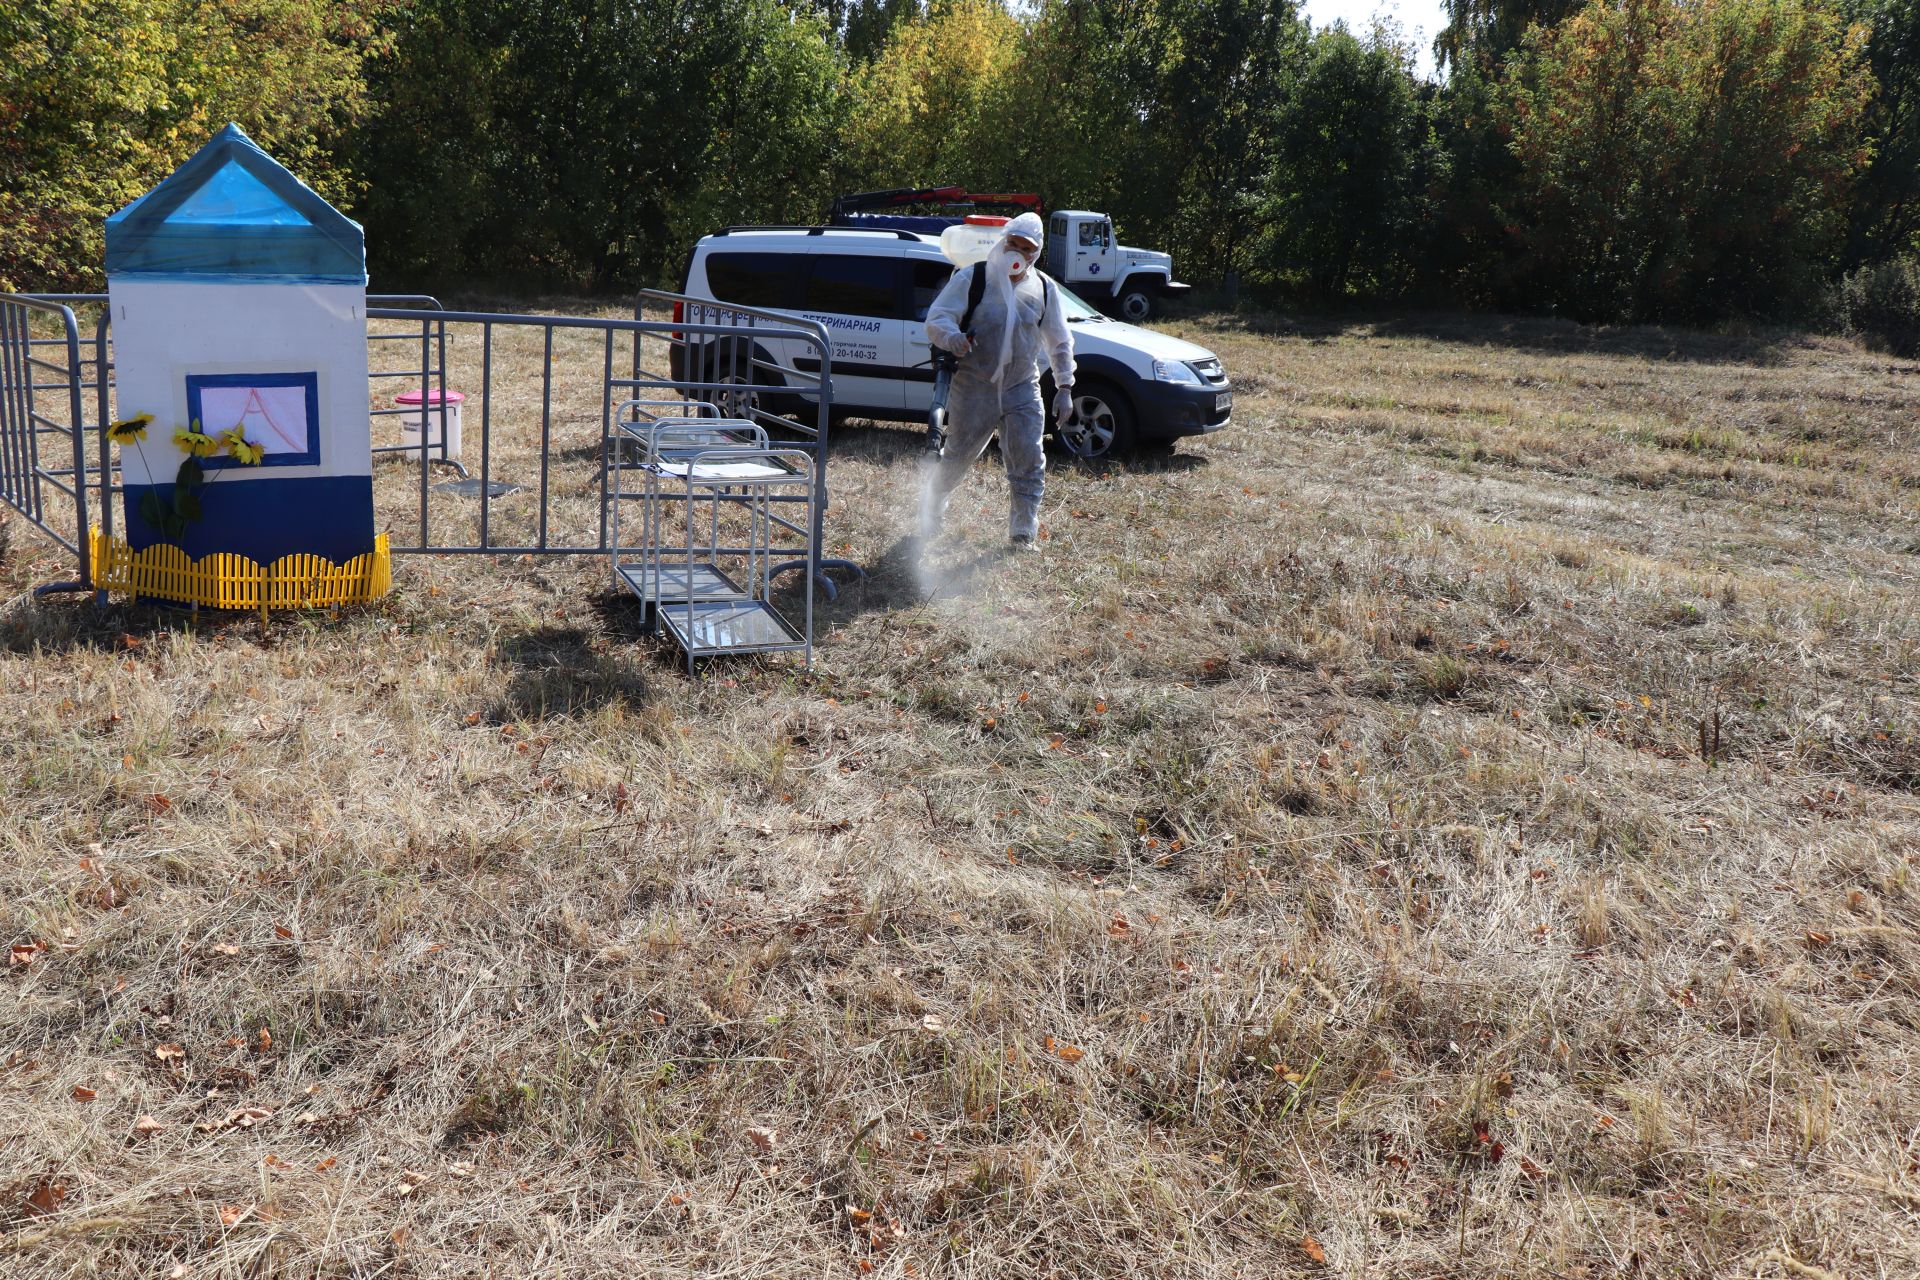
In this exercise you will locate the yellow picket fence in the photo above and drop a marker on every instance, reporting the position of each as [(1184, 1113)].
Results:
[(225, 581)]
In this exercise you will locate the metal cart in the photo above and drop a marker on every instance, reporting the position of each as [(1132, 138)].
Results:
[(711, 492)]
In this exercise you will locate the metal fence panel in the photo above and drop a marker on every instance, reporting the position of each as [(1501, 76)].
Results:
[(43, 428), (547, 391)]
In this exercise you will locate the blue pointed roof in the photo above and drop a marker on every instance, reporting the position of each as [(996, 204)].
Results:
[(232, 214)]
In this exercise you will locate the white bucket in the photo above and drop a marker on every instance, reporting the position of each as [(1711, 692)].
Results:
[(411, 428)]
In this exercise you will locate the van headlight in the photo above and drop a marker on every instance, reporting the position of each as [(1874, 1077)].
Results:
[(1175, 371)]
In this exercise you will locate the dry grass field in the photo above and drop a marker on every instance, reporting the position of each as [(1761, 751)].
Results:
[(1459, 821)]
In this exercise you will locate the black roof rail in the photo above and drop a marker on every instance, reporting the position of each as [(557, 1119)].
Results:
[(895, 232)]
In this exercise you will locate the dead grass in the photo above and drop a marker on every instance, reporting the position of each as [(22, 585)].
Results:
[(1459, 821)]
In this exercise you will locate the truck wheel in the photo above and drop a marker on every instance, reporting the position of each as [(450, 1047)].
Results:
[(1102, 425), (1136, 304)]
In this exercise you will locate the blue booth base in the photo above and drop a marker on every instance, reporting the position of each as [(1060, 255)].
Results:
[(327, 516)]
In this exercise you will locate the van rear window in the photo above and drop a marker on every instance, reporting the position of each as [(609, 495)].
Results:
[(752, 279), (853, 286)]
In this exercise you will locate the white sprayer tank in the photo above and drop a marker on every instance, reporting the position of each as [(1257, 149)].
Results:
[(968, 242)]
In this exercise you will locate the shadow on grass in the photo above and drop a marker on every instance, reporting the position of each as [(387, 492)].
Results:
[(558, 671), (906, 577), (1540, 335), (1152, 460), (72, 623)]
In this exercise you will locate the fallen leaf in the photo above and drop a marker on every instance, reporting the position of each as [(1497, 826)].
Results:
[(1531, 1169), (1070, 1053), (83, 1094), (281, 931), (326, 1164), (147, 1126), (24, 953), (45, 1198), (1816, 939), (763, 1139), (225, 949), (1311, 1247), (230, 1214), (934, 1023), (168, 1052), (264, 1041)]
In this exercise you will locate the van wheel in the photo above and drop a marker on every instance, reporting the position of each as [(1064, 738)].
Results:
[(734, 404), (741, 372), (1102, 425), (1136, 304)]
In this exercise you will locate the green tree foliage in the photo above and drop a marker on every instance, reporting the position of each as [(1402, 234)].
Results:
[(1886, 214), (580, 142), (1642, 158), (99, 99), (1344, 199), (863, 27), (1480, 33), (925, 110), (1685, 159), (1078, 119), (1229, 64)]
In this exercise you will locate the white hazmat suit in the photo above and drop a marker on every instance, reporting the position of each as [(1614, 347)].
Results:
[(1019, 321)]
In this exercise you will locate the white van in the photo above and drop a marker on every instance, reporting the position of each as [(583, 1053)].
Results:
[(871, 288)]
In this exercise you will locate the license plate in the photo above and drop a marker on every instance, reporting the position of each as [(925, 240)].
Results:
[(1223, 402)]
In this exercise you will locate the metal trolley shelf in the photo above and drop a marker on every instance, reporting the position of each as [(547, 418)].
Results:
[(712, 492)]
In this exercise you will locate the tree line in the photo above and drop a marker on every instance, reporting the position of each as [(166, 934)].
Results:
[(1615, 159)]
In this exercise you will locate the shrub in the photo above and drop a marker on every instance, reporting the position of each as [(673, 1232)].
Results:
[(1881, 303)]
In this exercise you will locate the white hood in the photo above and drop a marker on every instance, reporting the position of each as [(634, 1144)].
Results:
[(1094, 335)]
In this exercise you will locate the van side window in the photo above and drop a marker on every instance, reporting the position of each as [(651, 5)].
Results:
[(1059, 224), (853, 286), (930, 276), (1093, 235), (751, 279)]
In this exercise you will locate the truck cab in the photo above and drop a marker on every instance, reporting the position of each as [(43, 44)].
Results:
[(1082, 251)]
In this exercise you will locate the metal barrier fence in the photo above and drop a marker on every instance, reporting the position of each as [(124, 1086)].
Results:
[(43, 464), (770, 368)]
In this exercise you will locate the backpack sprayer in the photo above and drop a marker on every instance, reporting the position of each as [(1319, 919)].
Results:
[(966, 246)]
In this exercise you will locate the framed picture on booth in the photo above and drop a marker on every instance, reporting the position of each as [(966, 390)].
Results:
[(278, 411)]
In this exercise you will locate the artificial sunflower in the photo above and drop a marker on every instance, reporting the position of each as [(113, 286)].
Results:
[(129, 430), (242, 450), (195, 443)]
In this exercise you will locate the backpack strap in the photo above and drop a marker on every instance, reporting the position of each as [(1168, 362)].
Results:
[(976, 290)]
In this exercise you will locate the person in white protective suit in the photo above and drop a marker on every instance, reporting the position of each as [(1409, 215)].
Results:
[(1017, 321)]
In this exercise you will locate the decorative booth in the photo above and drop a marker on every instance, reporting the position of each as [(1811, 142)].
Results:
[(238, 301)]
